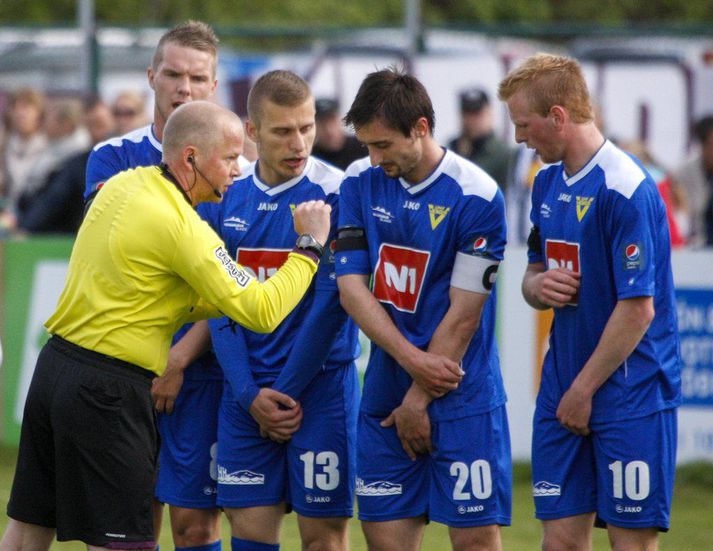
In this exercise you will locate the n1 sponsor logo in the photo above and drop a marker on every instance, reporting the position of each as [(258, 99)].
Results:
[(262, 263), (399, 275), (562, 254)]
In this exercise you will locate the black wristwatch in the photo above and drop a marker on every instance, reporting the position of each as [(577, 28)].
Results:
[(307, 242)]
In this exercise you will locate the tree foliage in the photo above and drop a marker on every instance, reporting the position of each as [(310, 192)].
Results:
[(329, 13)]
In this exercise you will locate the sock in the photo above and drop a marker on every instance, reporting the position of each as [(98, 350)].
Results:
[(236, 544), (215, 546)]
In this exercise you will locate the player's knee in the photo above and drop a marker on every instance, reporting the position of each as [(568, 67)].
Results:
[(194, 534), (329, 537), (484, 538), (562, 541)]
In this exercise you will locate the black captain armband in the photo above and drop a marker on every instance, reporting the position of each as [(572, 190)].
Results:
[(534, 244), (351, 238)]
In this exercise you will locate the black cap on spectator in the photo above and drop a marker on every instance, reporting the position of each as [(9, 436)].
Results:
[(326, 107), (473, 100)]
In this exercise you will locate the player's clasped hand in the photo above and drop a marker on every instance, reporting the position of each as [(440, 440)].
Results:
[(574, 411), (436, 374), (165, 388), (312, 217), (558, 287), (276, 422)]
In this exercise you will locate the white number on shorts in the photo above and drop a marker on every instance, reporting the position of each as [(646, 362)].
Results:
[(481, 480), (635, 481), (326, 480)]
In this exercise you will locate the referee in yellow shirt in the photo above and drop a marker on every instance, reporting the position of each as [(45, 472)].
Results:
[(143, 264)]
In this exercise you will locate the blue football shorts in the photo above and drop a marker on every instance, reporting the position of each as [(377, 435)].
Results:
[(187, 462), (466, 481), (314, 471), (623, 470)]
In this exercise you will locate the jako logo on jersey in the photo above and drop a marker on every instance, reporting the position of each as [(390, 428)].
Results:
[(398, 276), (317, 499), (382, 214), (545, 489), (267, 206), (561, 254), (583, 204), (411, 205), (480, 245), (241, 277), (566, 197), (380, 488), (437, 213), (262, 263)]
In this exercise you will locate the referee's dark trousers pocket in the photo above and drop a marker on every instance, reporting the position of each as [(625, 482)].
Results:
[(98, 416)]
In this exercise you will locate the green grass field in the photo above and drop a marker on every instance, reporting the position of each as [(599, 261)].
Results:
[(691, 516)]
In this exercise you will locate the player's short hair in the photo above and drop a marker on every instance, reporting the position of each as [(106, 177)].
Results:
[(200, 123), (191, 34), (283, 88), (703, 129), (395, 97), (550, 80)]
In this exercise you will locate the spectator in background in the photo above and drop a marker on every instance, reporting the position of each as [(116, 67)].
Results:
[(57, 207), (25, 142), (332, 143), (129, 110), (477, 141), (671, 195), (695, 177)]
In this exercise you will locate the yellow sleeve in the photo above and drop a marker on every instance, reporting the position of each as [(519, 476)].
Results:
[(202, 261)]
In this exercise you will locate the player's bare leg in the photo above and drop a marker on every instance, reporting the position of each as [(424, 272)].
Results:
[(476, 538), (194, 527), (324, 534), (260, 524), (570, 533), (21, 536), (633, 539), (403, 534)]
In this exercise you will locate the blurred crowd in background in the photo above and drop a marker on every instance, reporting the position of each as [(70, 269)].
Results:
[(45, 143)]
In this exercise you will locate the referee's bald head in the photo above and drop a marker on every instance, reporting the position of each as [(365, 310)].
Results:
[(201, 124)]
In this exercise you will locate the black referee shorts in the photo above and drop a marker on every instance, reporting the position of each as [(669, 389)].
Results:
[(88, 449)]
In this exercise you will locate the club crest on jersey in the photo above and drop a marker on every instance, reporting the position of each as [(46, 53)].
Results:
[(437, 213), (632, 256), (382, 214), (399, 275), (583, 204), (262, 263), (292, 208)]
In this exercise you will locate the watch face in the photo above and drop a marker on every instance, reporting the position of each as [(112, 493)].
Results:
[(305, 241)]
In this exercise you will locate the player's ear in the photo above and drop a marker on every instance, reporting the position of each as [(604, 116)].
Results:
[(559, 115), (251, 130), (421, 129)]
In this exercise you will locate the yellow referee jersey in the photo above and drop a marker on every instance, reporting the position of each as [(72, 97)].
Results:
[(144, 263)]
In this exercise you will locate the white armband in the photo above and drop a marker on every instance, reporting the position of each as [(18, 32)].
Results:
[(474, 273)]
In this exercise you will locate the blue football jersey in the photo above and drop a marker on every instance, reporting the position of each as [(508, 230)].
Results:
[(256, 224), (141, 148), (137, 148), (608, 222), (414, 233)]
